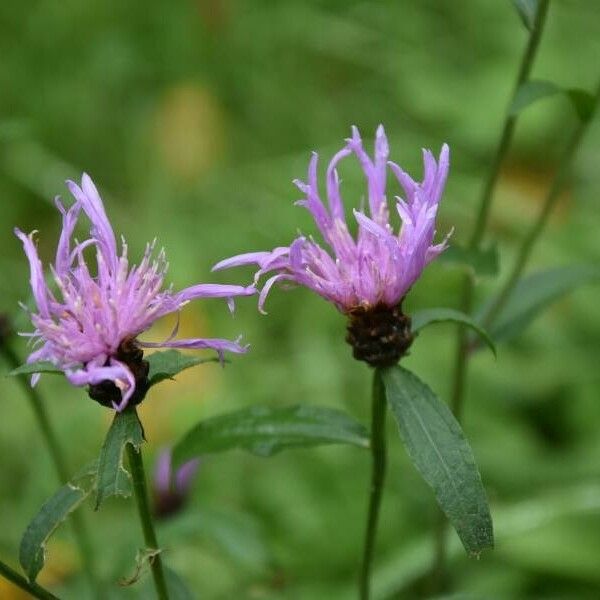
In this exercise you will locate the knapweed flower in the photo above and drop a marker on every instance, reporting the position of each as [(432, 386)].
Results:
[(365, 276), (89, 328), (171, 492)]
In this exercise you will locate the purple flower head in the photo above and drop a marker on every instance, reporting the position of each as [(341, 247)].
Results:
[(171, 493), (371, 272), (89, 328), (377, 266)]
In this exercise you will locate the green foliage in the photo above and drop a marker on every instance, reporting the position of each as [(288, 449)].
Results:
[(141, 80), (532, 91), (112, 478), (32, 552), (536, 292), (426, 317), (41, 366), (265, 430), (167, 364), (438, 449)]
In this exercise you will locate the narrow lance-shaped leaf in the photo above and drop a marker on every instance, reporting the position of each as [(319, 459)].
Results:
[(167, 364), (531, 91), (441, 454), (266, 430), (426, 317), (113, 479), (42, 366), (534, 293), (32, 552)]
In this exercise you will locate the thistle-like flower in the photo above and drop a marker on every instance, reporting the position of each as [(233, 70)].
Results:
[(368, 275), (90, 328), (170, 491)]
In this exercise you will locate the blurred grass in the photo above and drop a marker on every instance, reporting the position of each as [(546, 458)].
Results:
[(193, 118)]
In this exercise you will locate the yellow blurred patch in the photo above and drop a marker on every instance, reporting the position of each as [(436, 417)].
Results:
[(522, 191), (62, 562), (8, 591), (188, 131)]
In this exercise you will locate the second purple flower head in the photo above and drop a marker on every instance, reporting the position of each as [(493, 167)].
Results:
[(368, 275)]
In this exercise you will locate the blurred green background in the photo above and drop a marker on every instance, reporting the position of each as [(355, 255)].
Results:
[(193, 118)]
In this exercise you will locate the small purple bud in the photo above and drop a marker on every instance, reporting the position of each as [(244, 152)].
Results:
[(171, 492)]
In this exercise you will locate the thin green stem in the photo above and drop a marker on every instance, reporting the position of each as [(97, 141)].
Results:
[(468, 284), (539, 224), (37, 591), (508, 129), (82, 537), (141, 496), (379, 456)]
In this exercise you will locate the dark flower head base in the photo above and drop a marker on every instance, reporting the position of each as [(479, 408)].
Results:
[(380, 335), (132, 356), (90, 326)]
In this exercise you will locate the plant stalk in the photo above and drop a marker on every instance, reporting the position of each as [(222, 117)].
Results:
[(468, 283), (37, 591), (138, 477), (379, 458), (539, 224), (80, 531)]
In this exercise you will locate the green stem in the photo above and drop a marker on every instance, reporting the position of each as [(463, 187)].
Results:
[(539, 224), (80, 531), (468, 284), (141, 496), (379, 454), (34, 589)]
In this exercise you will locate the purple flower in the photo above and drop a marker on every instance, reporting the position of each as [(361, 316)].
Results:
[(372, 271), (89, 328), (171, 493), (378, 266)]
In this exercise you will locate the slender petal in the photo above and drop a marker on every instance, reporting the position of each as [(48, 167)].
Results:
[(378, 265)]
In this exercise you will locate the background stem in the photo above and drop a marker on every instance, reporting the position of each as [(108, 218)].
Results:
[(379, 455), (141, 496), (80, 531), (32, 588), (468, 284), (539, 224)]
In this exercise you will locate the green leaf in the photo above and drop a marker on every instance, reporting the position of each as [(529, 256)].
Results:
[(32, 552), (165, 365), (530, 92), (439, 451), (583, 102), (426, 317), (482, 262), (266, 430), (534, 293), (526, 10), (113, 479), (42, 366)]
